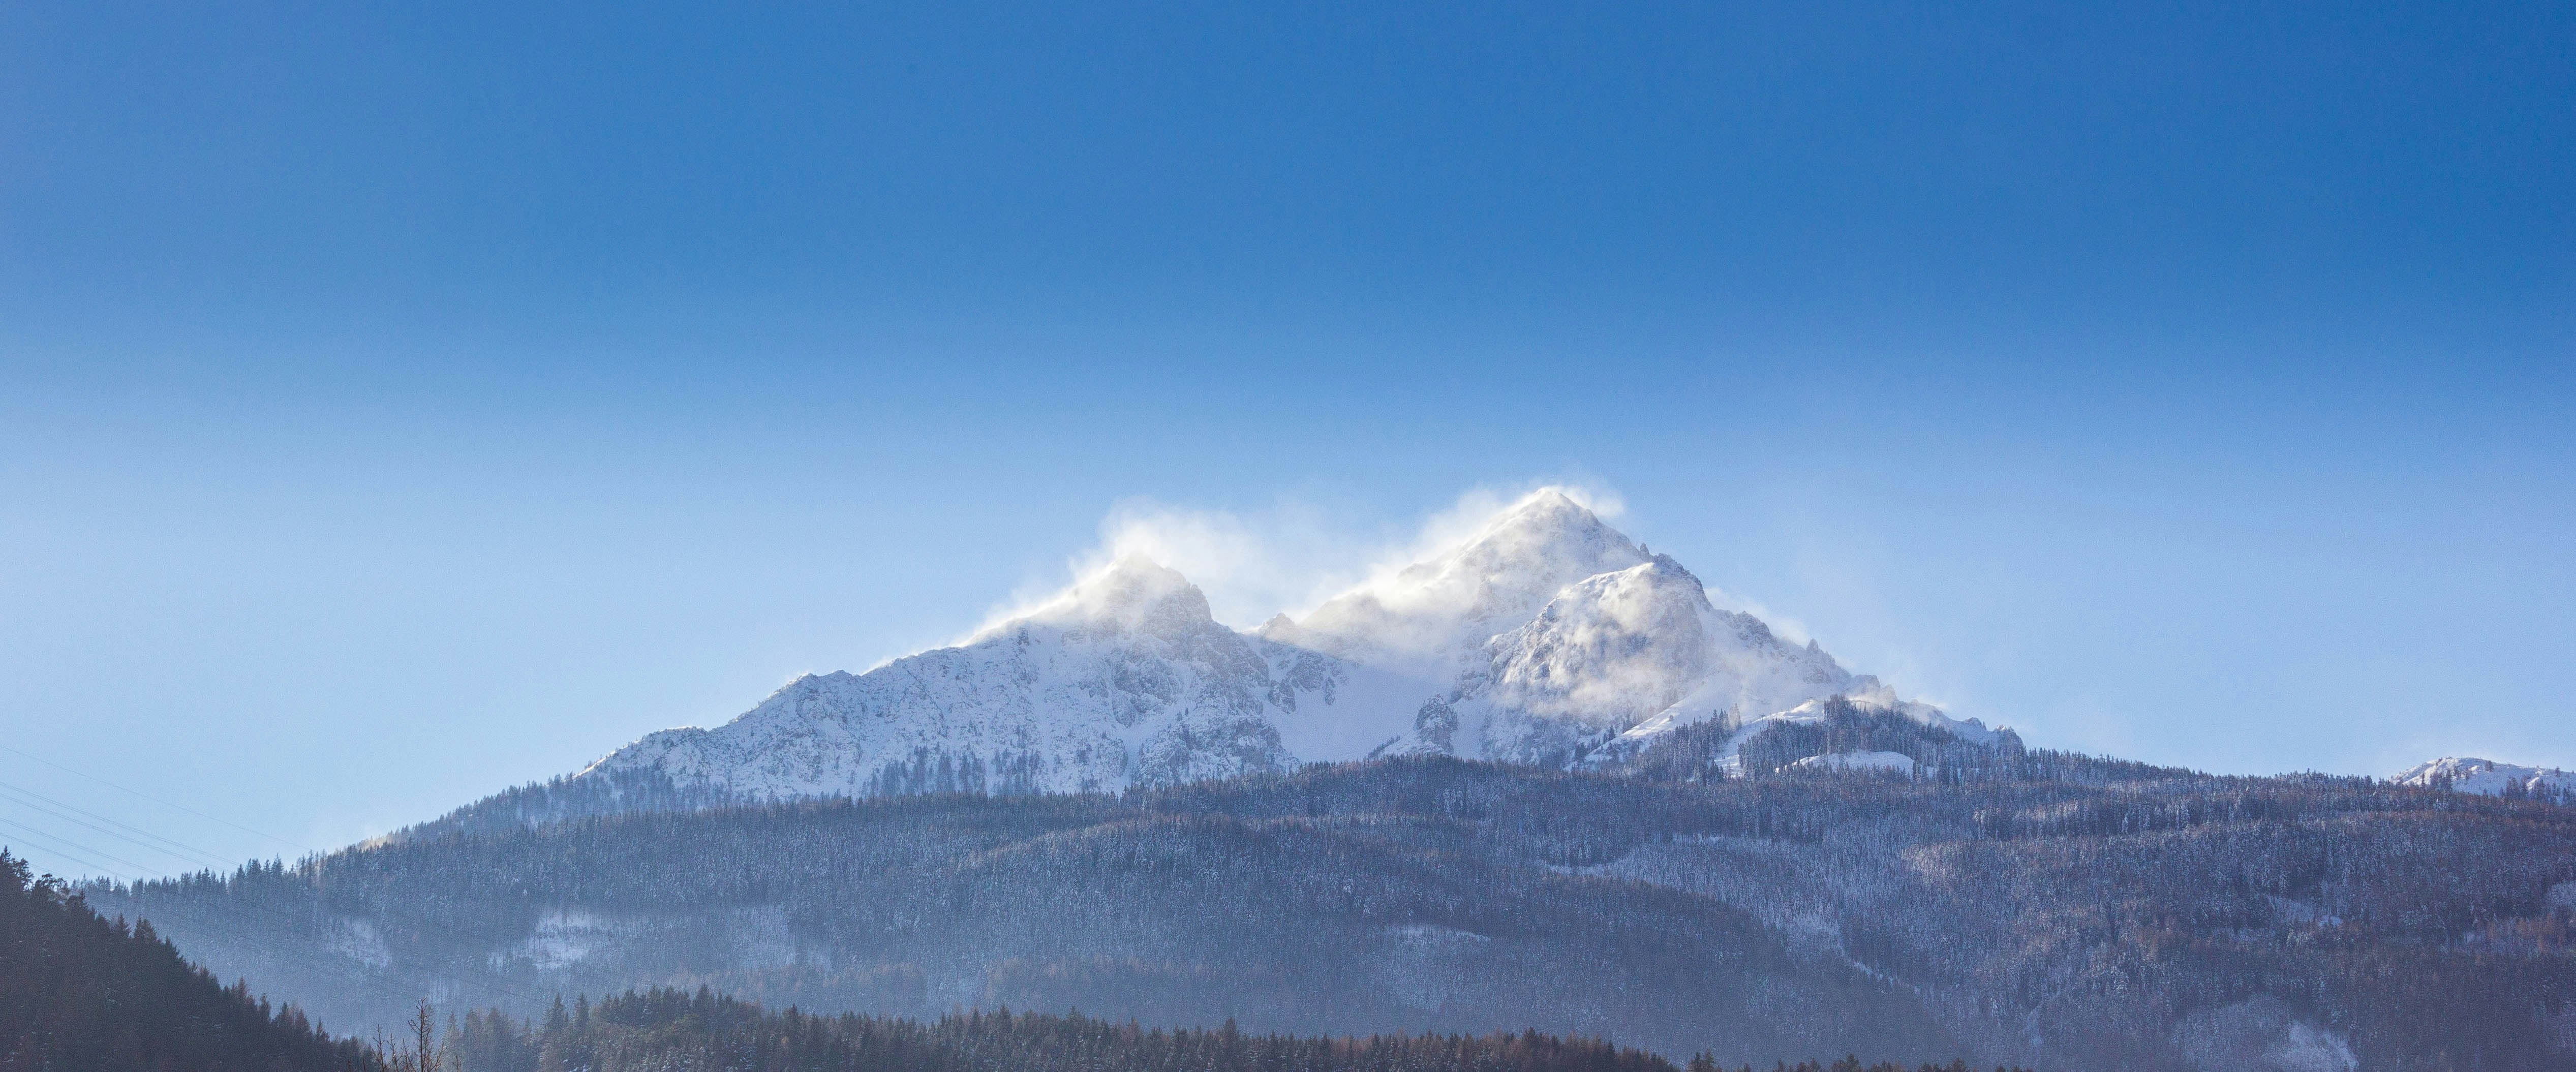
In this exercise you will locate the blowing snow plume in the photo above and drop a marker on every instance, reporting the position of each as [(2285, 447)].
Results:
[(1525, 630)]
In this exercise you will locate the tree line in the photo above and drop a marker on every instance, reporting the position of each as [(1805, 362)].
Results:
[(664, 1028), (80, 992), (2075, 922)]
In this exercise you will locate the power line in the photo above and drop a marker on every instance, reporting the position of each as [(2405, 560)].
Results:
[(91, 864), (158, 800), (40, 835), (141, 838)]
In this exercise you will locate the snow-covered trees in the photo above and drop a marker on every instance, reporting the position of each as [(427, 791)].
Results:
[(2064, 911)]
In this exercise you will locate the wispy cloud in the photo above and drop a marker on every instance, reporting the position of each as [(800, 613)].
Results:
[(1285, 558)]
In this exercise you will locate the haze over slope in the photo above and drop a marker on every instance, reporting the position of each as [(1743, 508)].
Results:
[(2065, 913)]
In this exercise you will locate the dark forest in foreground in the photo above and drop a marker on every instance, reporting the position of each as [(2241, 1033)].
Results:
[(671, 1029), (80, 992)]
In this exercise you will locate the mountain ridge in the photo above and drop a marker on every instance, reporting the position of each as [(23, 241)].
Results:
[(2487, 777), (1545, 635)]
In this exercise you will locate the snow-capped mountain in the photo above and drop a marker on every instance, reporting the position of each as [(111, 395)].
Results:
[(2486, 777), (1612, 648), (1544, 637), (1430, 619), (1124, 679)]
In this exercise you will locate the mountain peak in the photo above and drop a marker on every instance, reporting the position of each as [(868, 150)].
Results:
[(1538, 636), (1435, 610), (1545, 534), (1133, 570), (1131, 592), (2486, 777), (1548, 500), (1548, 513)]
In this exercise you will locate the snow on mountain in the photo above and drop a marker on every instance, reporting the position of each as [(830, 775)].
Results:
[(1602, 647), (1429, 619), (1125, 679), (1875, 762), (2486, 777), (1874, 699), (1544, 637), (1640, 647), (1541, 634)]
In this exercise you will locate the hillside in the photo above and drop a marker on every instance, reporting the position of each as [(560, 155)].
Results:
[(665, 1029), (2060, 913), (81, 992)]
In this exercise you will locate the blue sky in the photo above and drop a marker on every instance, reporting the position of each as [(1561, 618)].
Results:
[(398, 405)]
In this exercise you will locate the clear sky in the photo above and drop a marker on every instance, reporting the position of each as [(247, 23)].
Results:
[(399, 404)]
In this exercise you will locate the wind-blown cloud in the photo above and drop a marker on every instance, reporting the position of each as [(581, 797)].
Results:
[(1286, 558)]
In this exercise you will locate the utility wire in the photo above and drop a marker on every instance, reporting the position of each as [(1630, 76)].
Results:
[(128, 828), (145, 839), (158, 800), (91, 864), (41, 835)]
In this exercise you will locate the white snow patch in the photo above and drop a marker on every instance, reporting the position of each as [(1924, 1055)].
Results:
[(563, 938), (357, 940), (2309, 1048), (1874, 762), (2261, 1034), (2486, 777)]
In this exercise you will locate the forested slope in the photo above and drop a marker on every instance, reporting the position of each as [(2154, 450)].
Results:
[(80, 992), (667, 1029), (2084, 916)]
